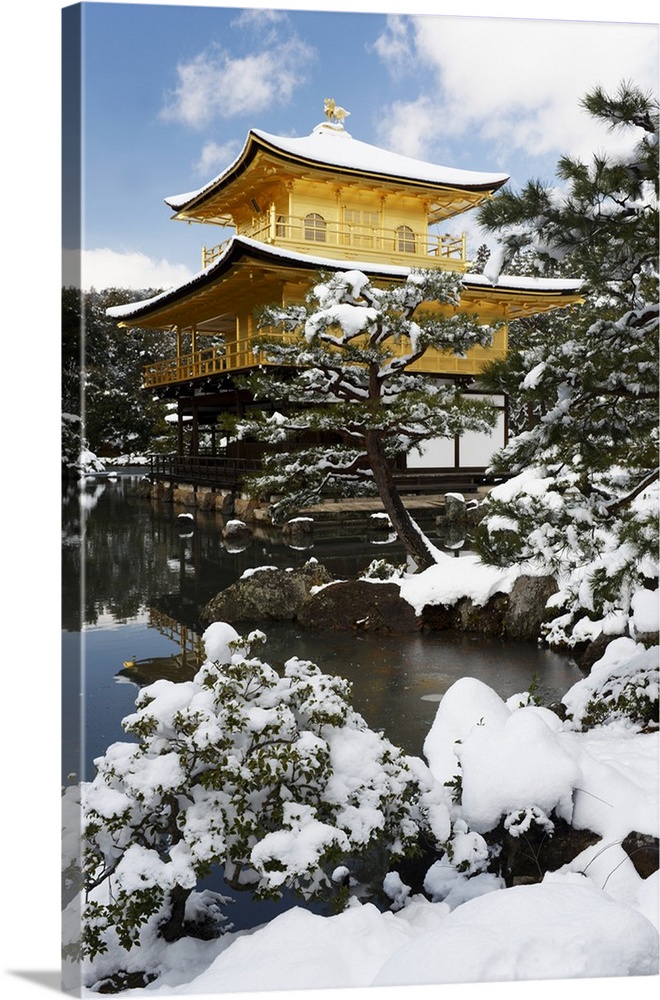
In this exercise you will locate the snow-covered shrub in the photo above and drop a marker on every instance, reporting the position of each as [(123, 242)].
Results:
[(516, 766), (396, 890), (273, 776), (508, 768), (444, 883), (467, 850), (528, 786), (622, 686), (520, 821), (76, 455)]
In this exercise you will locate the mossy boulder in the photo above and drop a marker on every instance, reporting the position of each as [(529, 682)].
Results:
[(527, 606), (267, 593)]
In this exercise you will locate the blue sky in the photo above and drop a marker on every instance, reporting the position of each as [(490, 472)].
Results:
[(170, 92)]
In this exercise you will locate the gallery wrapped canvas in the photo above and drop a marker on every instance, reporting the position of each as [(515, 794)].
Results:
[(360, 500)]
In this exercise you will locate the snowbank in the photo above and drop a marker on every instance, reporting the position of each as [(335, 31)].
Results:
[(451, 579), (563, 927)]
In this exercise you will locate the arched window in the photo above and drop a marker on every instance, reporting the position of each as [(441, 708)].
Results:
[(315, 227), (405, 239)]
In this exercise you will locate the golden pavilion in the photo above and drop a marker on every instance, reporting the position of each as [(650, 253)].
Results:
[(290, 208)]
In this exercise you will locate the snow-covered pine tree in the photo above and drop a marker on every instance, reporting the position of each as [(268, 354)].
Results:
[(589, 514), (506, 375), (340, 367)]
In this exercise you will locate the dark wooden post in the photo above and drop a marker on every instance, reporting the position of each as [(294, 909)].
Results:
[(179, 428)]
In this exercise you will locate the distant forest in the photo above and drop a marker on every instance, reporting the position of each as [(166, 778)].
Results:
[(102, 374)]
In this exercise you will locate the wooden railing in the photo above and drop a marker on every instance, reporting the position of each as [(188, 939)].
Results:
[(225, 473), (312, 236), (245, 354), (187, 366), (211, 361), (203, 470)]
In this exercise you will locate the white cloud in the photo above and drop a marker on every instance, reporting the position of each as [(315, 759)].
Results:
[(394, 45), (104, 268), (258, 17), (216, 157), (409, 127), (517, 83), (217, 85)]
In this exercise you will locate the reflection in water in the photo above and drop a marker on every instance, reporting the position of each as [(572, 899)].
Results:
[(147, 575), (398, 680)]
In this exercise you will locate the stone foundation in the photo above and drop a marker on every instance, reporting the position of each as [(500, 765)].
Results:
[(204, 498)]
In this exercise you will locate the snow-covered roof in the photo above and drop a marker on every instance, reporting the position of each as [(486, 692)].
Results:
[(330, 145), (525, 283), (242, 246)]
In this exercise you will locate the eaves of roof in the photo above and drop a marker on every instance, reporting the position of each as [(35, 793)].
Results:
[(242, 248)]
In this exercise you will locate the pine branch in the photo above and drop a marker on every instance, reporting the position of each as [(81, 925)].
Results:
[(614, 508)]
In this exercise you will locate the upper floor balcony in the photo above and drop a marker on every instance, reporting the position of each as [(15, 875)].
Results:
[(346, 240), (243, 354)]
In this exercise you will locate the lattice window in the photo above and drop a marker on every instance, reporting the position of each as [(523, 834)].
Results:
[(314, 227), (405, 239)]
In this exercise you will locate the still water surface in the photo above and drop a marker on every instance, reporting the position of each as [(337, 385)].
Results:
[(134, 584)]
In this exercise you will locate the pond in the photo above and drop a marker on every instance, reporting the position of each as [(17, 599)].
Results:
[(134, 582)]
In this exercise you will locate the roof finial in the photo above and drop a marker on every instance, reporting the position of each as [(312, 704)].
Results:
[(333, 112)]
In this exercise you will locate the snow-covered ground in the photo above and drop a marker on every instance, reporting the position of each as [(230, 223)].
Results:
[(594, 917), (565, 927)]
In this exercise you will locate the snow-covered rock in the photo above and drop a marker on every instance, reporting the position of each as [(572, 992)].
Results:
[(267, 593), (563, 928), (451, 579)]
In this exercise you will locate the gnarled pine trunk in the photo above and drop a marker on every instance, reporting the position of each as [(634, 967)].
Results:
[(412, 537)]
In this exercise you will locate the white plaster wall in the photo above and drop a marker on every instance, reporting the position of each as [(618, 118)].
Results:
[(478, 449), (437, 452), (474, 450)]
